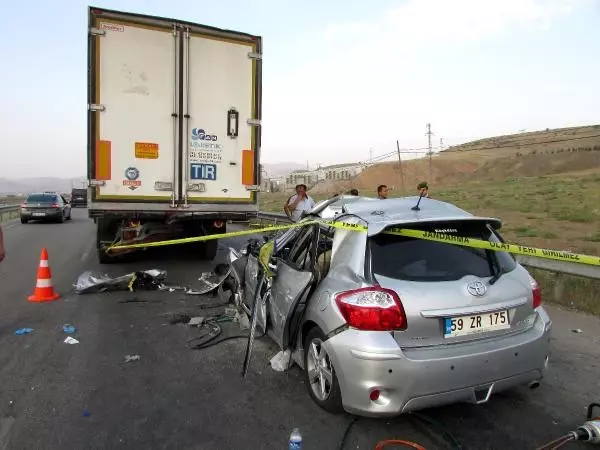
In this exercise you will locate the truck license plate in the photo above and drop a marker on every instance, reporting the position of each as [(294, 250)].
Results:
[(479, 323)]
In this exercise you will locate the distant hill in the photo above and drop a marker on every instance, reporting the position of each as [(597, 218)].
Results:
[(571, 151), (548, 139), (26, 185)]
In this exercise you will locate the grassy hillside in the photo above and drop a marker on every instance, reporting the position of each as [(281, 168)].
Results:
[(550, 139)]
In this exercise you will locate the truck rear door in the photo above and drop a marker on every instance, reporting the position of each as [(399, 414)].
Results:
[(174, 111)]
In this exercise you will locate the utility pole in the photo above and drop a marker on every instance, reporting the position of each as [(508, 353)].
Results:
[(400, 164), (429, 134), (441, 144)]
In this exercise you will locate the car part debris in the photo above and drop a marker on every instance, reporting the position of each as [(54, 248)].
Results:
[(209, 281), (70, 340), (130, 358), (69, 329), (179, 318), (196, 321), (90, 282), (281, 361), (255, 309), (210, 331), (163, 287)]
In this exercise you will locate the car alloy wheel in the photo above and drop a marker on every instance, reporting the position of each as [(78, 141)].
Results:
[(319, 374), (320, 370)]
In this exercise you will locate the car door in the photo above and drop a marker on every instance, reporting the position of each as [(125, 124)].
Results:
[(294, 276), (65, 206)]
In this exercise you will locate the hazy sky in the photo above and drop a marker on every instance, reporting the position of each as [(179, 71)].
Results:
[(340, 77)]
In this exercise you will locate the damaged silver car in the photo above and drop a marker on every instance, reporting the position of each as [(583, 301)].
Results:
[(383, 324)]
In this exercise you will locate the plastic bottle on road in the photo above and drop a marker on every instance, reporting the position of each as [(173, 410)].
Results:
[(295, 440)]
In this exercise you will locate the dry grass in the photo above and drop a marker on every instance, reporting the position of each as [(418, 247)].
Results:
[(558, 211)]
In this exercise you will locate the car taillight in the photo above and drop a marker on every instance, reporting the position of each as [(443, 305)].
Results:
[(55, 205), (24, 205), (537, 293), (372, 308)]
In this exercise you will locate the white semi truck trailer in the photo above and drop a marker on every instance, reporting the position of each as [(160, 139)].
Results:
[(174, 130)]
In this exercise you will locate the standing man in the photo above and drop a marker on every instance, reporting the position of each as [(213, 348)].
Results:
[(382, 192), (298, 203), (2, 252)]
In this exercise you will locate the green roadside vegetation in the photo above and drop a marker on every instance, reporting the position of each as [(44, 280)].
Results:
[(559, 211)]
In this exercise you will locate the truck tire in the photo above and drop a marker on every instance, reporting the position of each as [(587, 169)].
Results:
[(209, 249), (105, 231)]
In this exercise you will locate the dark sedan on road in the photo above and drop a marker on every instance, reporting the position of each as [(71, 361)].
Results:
[(48, 206), (78, 197)]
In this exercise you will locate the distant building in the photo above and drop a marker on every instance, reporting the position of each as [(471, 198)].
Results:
[(336, 172)]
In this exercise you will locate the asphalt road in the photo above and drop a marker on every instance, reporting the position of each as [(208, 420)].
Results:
[(59, 396)]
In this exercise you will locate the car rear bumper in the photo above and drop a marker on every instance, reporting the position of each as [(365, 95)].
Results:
[(417, 378), (48, 215)]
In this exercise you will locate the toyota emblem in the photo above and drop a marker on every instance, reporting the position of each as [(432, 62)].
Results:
[(477, 288)]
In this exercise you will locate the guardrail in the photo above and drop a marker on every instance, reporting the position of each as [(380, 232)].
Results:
[(580, 270), (8, 212)]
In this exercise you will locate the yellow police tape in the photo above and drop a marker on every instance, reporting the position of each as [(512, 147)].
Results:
[(426, 235)]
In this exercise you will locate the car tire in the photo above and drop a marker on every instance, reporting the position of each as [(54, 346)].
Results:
[(331, 400), (61, 219), (24, 220)]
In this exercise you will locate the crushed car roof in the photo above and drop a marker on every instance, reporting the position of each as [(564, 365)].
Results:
[(381, 214)]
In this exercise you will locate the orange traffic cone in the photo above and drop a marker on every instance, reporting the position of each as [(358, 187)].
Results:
[(44, 291)]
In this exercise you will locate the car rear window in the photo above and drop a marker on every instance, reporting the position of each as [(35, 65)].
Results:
[(413, 259), (78, 192), (42, 198)]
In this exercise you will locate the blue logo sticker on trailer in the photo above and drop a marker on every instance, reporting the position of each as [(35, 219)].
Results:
[(132, 173), (203, 172)]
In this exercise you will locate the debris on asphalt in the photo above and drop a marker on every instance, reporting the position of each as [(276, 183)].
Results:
[(22, 331), (70, 340), (149, 280), (281, 361), (133, 300), (209, 281), (129, 358), (243, 320), (196, 321), (179, 318), (86, 414), (68, 328), (90, 282), (577, 330), (173, 288)]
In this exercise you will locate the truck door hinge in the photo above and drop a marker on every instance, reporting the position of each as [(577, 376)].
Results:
[(96, 107), (253, 55), (253, 122), (97, 31)]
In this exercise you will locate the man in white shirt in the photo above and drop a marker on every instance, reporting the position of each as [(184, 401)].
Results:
[(298, 203)]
